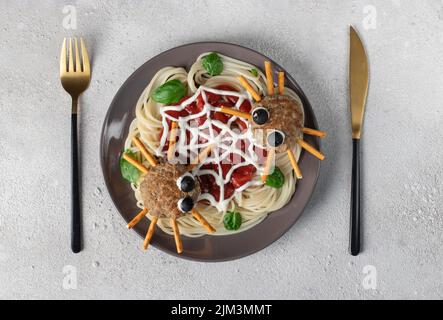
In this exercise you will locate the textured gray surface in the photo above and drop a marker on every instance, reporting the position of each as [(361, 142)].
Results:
[(402, 155)]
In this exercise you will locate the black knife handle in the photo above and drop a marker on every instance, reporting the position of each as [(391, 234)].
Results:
[(355, 199), (76, 215)]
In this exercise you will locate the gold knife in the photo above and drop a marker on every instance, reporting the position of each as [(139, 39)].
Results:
[(358, 91)]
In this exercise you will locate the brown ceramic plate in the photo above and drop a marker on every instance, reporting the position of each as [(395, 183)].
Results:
[(206, 248)]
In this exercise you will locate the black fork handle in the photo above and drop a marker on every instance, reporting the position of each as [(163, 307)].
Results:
[(76, 214), (355, 199)]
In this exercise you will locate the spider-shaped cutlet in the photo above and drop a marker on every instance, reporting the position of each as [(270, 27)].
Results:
[(168, 191), (284, 113), (277, 121)]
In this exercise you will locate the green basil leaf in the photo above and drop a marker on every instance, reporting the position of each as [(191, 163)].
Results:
[(254, 72), (232, 220), (213, 64), (169, 92), (276, 179), (128, 171)]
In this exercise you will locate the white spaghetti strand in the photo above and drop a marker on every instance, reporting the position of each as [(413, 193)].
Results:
[(253, 200)]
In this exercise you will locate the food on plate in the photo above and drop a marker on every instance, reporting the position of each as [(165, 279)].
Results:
[(212, 150)]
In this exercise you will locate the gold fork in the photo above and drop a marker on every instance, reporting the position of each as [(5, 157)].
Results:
[(75, 75)]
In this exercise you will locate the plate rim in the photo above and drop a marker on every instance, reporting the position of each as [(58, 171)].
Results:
[(283, 230)]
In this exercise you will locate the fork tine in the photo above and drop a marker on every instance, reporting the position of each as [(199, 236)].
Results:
[(63, 58), (86, 67), (78, 67), (71, 57)]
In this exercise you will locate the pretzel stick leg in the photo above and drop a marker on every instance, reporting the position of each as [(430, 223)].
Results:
[(294, 164), (310, 149), (135, 163), (172, 138), (152, 161), (269, 78), (313, 132), (202, 156), (177, 237), (268, 164), (248, 87), (137, 218), (150, 232), (237, 113), (281, 82), (202, 220)]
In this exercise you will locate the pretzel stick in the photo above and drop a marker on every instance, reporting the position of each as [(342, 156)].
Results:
[(310, 149), (281, 82), (248, 87), (202, 220), (314, 132), (150, 232), (294, 164), (269, 78), (268, 164), (172, 136), (237, 113), (137, 218), (152, 161), (135, 163), (202, 156), (178, 240)]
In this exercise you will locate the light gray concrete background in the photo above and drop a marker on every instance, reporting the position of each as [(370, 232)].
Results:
[(402, 150)]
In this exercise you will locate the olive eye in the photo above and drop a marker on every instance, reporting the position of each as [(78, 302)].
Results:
[(185, 204), (260, 115), (186, 182), (276, 138)]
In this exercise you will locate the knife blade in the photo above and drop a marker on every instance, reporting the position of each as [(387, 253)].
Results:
[(358, 82), (358, 91)]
